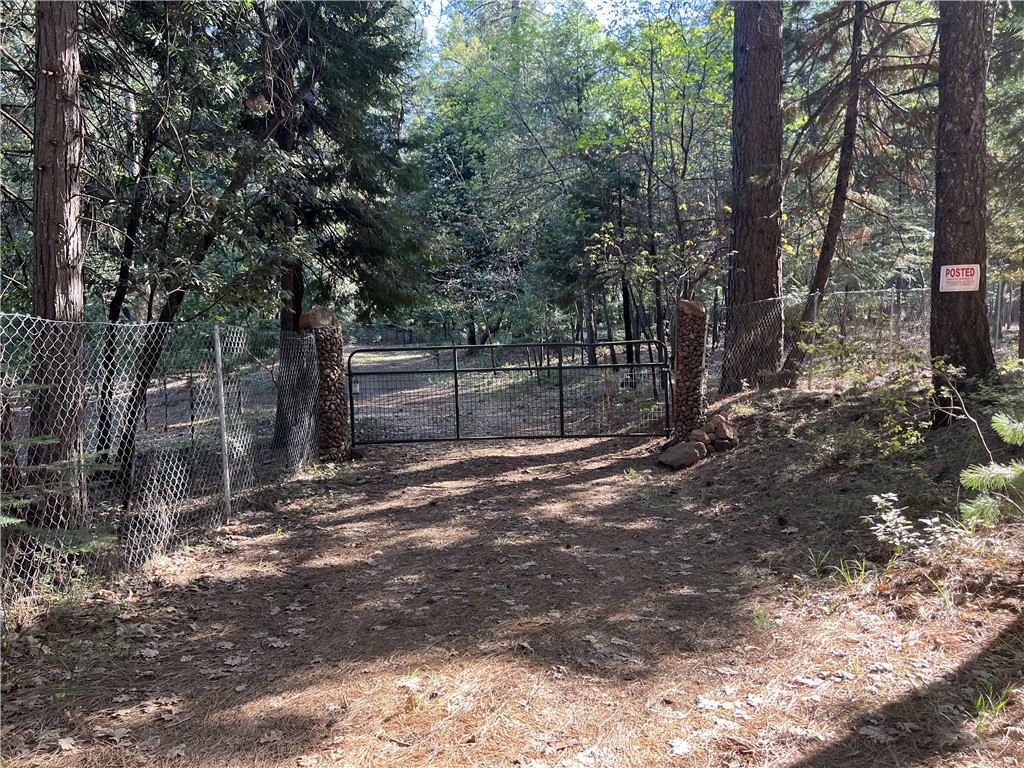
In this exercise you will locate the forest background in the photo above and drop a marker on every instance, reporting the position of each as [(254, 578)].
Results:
[(522, 170)]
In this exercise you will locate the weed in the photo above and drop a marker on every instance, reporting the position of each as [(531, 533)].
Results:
[(851, 572), (902, 536), (339, 473), (943, 593), (761, 620), (989, 703), (739, 410), (819, 561)]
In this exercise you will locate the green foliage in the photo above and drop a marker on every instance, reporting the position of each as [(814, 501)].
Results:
[(567, 159), (990, 702), (904, 537), (999, 485), (178, 101)]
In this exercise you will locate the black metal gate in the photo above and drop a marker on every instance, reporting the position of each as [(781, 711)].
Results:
[(418, 394)]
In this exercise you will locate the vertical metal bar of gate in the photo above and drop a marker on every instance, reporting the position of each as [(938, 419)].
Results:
[(666, 388), (455, 370), (561, 397)]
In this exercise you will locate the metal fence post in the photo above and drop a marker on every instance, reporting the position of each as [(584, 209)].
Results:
[(455, 372), (218, 360), (561, 396)]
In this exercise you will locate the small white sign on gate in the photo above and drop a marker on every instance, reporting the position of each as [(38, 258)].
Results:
[(960, 277)]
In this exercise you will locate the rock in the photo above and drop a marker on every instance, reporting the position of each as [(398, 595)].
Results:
[(683, 455), (318, 317), (725, 431), (713, 422), (699, 436), (692, 308), (723, 445)]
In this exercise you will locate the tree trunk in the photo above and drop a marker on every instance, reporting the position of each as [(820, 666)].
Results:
[(959, 320), (105, 426), (830, 241), (659, 312), (608, 326), (58, 407), (591, 327), (291, 279), (627, 321), (754, 333)]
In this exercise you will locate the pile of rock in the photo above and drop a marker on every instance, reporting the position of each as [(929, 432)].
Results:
[(715, 436), (689, 402), (330, 353)]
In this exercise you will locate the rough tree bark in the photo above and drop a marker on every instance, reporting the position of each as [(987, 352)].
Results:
[(959, 321), (830, 240), (753, 344), (292, 283), (57, 420)]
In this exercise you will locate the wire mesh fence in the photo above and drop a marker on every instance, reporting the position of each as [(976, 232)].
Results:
[(113, 438), (383, 336), (854, 333)]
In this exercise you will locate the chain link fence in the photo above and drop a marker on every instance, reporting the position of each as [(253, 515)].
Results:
[(119, 440), (855, 332)]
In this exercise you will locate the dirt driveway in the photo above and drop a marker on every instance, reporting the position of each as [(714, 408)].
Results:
[(545, 603)]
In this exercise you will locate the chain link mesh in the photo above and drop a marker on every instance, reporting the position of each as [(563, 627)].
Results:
[(854, 332), (111, 438)]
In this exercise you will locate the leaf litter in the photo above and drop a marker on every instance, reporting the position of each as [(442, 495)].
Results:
[(628, 661)]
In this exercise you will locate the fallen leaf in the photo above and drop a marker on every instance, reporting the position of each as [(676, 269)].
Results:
[(680, 747), (812, 682), (876, 734), (67, 744), (115, 734)]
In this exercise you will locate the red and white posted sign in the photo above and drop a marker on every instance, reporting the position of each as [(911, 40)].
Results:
[(960, 277)]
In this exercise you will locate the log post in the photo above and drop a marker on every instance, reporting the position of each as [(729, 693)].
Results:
[(689, 400)]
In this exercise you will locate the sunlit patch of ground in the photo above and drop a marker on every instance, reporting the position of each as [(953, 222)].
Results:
[(562, 603)]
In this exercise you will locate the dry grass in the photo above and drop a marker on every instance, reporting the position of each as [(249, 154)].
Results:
[(563, 603)]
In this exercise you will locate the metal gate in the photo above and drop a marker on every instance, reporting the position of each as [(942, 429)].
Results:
[(418, 394)]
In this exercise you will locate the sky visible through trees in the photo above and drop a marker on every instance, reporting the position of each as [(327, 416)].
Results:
[(491, 170)]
